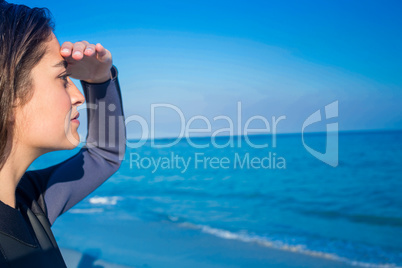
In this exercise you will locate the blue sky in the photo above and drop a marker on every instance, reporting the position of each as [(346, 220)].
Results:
[(276, 58)]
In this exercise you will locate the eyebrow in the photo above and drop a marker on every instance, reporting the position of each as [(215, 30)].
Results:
[(62, 63)]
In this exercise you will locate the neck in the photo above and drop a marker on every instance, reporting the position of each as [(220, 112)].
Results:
[(15, 166)]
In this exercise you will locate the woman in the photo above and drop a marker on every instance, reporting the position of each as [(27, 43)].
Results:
[(39, 114)]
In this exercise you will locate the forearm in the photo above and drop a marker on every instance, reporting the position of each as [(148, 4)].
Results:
[(106, 129)]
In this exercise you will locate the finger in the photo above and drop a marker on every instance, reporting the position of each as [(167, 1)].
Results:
[(90, 50), (78, 50), (66, 48)]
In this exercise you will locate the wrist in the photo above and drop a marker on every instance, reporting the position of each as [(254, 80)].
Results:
[(113, 75), (100, 79)]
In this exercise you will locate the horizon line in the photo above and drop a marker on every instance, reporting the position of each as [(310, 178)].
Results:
[(268, 134)]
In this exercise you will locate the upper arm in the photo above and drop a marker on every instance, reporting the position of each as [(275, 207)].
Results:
[(74, 179)]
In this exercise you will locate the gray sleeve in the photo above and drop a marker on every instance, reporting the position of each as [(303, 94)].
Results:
[(71, 181)]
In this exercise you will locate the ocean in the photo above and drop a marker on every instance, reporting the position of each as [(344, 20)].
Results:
[(278, 196)]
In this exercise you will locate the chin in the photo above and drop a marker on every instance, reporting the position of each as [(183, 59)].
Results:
[(72, 140)]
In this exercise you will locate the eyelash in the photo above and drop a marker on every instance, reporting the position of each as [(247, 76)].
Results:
[(64, 78)]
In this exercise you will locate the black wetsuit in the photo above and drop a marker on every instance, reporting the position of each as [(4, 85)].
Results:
[(26, 239)]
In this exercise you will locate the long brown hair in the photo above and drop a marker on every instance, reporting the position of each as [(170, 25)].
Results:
[(23, 34)]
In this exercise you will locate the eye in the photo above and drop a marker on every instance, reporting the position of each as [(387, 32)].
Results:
[(64, 78)]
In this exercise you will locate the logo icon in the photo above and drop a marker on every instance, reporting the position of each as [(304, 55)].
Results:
[(330, 156)]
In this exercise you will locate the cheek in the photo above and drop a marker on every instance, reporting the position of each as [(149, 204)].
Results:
[(59, 115), (46, 120), (54, 112)]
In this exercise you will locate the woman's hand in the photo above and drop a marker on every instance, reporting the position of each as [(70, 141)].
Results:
[(87, 62)]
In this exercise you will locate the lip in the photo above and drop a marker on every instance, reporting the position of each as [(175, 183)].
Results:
[(75, 118)]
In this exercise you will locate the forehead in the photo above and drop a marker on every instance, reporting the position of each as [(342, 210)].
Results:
[(52, 55)]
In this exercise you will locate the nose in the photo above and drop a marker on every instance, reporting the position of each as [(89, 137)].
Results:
[(75, 95)]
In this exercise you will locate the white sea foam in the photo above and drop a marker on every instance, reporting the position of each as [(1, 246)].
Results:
[(280, 245), (86, 211), (105, 200), (173, 218)]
